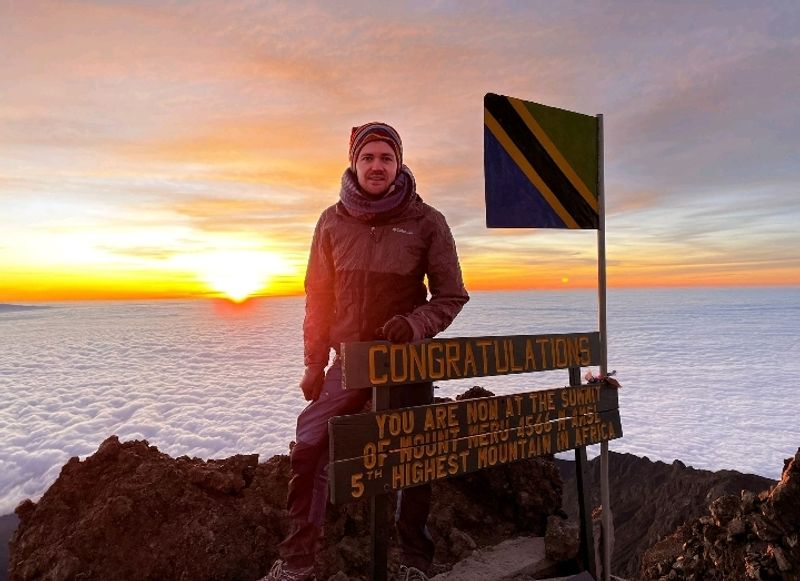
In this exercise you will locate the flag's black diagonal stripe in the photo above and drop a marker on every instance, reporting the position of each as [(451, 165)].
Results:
[(537, 156)]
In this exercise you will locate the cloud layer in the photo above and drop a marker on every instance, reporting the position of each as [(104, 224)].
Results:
[(209, 379)]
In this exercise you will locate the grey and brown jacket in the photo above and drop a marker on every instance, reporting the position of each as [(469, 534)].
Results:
[(361, 274)]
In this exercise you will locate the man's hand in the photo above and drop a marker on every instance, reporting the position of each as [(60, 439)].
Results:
[(311, 384), (396, 330)]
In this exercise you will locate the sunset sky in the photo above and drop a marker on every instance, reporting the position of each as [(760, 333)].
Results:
[(170, 149)]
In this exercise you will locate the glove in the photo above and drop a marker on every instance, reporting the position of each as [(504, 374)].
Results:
[(311, 384), (396, 330)]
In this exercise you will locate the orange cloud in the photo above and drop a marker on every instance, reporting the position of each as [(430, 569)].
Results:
[(136, 132)]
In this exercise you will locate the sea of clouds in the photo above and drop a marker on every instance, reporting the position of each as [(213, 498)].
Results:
[(192, 378), (707, 375)]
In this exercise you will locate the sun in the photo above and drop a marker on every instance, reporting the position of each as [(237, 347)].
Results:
[(239, 274)]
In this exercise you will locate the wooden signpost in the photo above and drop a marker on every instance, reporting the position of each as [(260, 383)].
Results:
[(372, 454)]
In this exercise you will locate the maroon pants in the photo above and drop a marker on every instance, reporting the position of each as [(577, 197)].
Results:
[(308, 487)]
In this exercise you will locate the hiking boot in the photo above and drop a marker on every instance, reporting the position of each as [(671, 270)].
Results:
[(281, 572), (411, 574)]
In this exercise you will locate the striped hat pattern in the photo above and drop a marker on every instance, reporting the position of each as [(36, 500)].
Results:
[(374, 131)]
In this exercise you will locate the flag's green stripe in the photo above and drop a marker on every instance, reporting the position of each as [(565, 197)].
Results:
[(563, 164), (575, 136)]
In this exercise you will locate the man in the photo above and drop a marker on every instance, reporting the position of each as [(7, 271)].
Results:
[(365, 280)]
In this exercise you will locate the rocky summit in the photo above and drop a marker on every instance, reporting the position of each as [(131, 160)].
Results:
[(741, 537), (130, 512), (651, 499)]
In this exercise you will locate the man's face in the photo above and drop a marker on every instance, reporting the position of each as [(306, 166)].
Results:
[(376, 167)]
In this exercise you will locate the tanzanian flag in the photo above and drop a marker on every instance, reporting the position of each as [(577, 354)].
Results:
[(541, 165)]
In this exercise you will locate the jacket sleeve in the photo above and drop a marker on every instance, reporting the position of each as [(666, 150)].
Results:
[(445, 283), (319, 287)]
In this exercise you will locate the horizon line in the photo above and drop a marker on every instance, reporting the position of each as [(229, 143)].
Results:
[(196, 297)]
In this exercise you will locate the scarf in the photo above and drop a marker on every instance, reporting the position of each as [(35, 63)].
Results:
[(366, 208)]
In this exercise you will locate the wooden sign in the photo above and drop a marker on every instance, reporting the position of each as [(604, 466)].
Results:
[(380, 363), (378, 452)]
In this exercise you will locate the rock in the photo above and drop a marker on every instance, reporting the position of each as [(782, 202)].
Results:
[(562, 539), (461, 544), (475, 391), (783, 497), (519, 559), (25, 508), (748, 501), (780, 558), (723, 509), (752, 570), (735, 528), (762, 528)]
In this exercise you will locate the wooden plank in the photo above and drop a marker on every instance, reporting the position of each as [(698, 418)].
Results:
[(587, 555), (581, 464), (377, 472), (392, 429), (380, 363), (379, 505)]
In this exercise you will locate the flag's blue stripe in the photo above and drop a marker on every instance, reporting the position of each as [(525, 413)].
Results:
[(512, 201)]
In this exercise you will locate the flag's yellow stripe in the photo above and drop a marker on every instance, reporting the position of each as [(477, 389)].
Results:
[(555, 154), (527, 168)]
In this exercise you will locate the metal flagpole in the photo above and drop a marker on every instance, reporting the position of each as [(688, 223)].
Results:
[(601, 295)]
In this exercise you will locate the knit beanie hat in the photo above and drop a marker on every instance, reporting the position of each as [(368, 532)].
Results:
[(374, 131)]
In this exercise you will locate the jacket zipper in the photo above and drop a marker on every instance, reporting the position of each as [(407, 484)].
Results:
[(364, 290)]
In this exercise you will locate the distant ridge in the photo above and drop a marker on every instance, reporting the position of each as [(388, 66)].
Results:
[(6, 307), (650, 500)]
